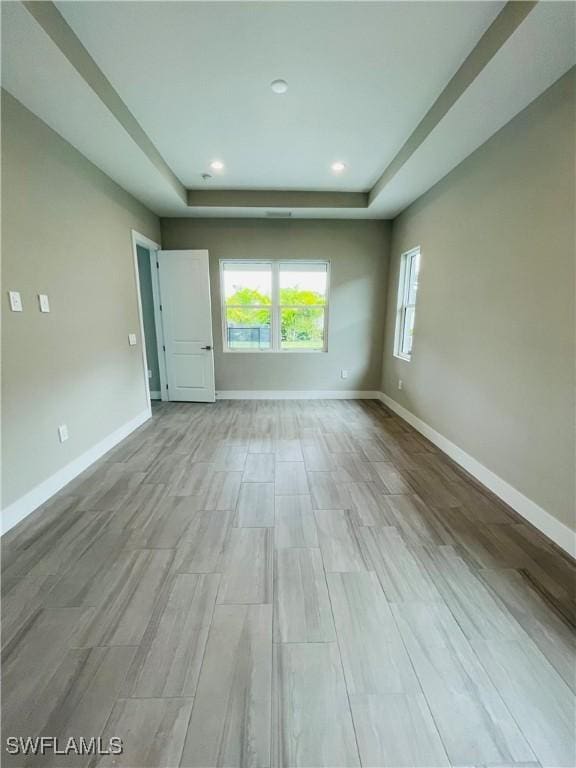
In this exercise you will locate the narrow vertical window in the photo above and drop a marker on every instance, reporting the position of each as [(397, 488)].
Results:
[(407, 291)]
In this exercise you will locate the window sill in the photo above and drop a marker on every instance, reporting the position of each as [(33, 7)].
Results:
[(405, 358), (275, 351)]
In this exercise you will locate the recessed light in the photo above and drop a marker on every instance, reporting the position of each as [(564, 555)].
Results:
[(279, 86), (217, 165), (338, 166)]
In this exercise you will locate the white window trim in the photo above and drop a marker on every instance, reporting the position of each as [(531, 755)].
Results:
[(274, 307), (402, 302)]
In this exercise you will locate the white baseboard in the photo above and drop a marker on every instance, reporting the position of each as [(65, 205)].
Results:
[(26, 504), (155, 395), (277, 394), (559, 533)]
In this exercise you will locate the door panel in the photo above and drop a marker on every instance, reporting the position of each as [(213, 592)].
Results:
[(184, 282)]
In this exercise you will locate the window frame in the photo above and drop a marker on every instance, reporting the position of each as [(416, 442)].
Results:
[(275, 307), (402, 304)]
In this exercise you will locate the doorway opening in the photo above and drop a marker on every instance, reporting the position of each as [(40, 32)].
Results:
[(144, 251), (150, 340), (175, 322)]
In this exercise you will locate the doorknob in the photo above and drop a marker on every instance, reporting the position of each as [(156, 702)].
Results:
[(208, 347)]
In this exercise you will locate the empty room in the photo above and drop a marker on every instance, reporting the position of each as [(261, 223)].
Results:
[(288, 384)]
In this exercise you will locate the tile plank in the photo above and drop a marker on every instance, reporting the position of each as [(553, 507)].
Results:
[(247, 567), (339, 542), (312, 724), (169, 657), (128, 594), (230, 722), (295, 524), (255, 507), (290, 478), (152, 732), (302, 611), (402, 577), (328, 493), (259, 468), (397, 731), (202, 549), (373, 655)]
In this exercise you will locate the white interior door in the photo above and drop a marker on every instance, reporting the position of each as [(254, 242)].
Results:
[(184, 287)]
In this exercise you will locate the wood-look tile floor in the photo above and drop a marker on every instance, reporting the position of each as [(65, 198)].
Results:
[(287, 583)]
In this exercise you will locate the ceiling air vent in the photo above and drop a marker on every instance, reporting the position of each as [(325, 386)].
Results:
[(279, 214)]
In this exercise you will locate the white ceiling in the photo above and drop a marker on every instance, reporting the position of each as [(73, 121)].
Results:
[(361, 76), (197, 78)]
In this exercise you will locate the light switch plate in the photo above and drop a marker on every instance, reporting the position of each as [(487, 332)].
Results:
[(15, 301), (43, 302), (63, 433), (132, 339)]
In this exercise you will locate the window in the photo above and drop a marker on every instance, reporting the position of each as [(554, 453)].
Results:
[(274, 306), (302, 305), (247, 291), (407, 290)]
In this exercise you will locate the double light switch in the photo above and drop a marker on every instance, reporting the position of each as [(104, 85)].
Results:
[(16, 302)]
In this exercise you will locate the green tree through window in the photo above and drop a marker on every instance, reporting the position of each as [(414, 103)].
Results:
[(301, 322), (249, 298)]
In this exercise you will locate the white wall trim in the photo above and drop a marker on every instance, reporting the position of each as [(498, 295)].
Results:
[(26, 504), (559, 533), (277, 394), (144, 241)]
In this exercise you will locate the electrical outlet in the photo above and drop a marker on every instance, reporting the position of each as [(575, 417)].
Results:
[(63, 433), (400, 384), (132, 339), (149, 373), (43, 302), (344, 373)]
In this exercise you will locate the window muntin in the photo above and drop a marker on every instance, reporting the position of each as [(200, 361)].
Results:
[(274, 306), (406, 313)]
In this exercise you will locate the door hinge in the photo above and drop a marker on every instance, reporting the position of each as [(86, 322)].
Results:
[(157, 265), (164, 347), (160, 307), (166, 386)]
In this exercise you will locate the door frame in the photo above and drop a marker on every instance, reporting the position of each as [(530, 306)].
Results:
[(153, 248)]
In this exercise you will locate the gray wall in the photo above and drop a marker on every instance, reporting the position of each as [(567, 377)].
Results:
[(358, 252), (493, 358), (147, 299), (65, 232)]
